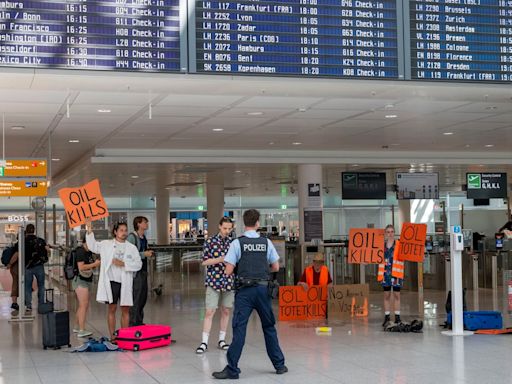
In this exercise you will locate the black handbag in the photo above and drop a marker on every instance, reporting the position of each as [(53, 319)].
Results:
[(47, 306)]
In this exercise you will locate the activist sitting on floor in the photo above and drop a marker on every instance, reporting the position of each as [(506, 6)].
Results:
[(391, 275), (316, 274)]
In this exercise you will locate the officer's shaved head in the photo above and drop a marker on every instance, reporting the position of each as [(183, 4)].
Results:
[(251, 218)]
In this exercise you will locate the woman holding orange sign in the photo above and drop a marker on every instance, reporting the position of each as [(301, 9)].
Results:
[(391, 275)]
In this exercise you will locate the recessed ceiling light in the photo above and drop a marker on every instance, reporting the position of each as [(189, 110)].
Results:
[(391, 116), (18, 128), (489, 145), (55, 159), (355, 165), (255, 113), (302, 109), (491, 107), (447, 133), (467, 145), (297, 143), (218, 129), (74, 141), (395, 145), (135, 177), (389, 106), (238, 171), (271, 143), (104, 110)]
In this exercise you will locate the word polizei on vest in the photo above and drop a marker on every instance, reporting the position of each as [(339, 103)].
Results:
[(255, 247)]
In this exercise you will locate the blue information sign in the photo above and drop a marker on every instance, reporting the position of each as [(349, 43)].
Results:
[(138, 35), (343, 38), (467, 40)]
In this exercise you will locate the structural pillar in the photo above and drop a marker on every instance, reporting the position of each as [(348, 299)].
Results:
[(215, 200), (404, 214), (162, 218), (310, 191)]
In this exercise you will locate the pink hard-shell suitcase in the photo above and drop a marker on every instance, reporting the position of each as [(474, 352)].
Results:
[(143, 337)]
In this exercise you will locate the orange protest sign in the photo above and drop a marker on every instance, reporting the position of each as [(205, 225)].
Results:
[(366, 246), (412, 242), (295, 303), (82, 203)]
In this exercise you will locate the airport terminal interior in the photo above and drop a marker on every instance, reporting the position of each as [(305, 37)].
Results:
[(337, 120)]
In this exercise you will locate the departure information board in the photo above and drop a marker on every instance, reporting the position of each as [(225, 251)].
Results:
[(467, 40), (340, 38), (138, 35)]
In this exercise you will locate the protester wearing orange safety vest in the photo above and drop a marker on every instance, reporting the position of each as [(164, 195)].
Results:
[(315, 274), (391, 275)]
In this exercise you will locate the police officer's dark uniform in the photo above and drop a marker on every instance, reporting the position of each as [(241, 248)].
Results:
[(252, 254)]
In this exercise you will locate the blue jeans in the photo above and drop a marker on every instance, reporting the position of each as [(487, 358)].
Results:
[(30, 273), (246, 300)]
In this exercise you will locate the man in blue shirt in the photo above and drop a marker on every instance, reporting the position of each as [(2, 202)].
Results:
[(252, 255)]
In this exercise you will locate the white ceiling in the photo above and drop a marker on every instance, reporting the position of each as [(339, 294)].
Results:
[(322, 114)]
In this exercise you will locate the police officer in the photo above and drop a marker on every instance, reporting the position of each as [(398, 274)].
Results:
[(252, 255)]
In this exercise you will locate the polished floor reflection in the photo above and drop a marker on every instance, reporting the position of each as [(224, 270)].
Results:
[(357, 351)]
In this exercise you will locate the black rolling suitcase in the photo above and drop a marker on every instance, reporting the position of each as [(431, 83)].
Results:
[(56, 330)]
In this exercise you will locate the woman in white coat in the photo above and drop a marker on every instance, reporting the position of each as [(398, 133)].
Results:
[(120, 260)]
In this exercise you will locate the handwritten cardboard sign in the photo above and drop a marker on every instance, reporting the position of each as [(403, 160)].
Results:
[(366, 246), (82, 203), (412, 242), (295, 303), (350, 300)]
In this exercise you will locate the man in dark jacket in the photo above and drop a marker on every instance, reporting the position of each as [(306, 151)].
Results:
[(36, 254)]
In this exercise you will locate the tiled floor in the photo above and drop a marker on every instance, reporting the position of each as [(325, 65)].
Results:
[(356, 352)]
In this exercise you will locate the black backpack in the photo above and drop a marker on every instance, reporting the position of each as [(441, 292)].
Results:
[(70, 265), (7, 255), (39, 252)]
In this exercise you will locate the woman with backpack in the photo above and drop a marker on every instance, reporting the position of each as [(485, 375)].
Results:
[(82, 284)]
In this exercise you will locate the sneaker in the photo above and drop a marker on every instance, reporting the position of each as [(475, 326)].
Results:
[(387, 320), (15, 306), (84, 333), (28, 312), (397, 319), (76, 330)]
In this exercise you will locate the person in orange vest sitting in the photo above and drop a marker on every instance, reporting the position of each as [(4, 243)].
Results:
[(315, 274), (391, 275)]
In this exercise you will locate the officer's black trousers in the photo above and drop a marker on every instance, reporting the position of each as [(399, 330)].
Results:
[(246, 300), (140, 296)]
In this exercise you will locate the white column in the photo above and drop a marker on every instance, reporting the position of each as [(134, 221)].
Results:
[(215, 200), (404, 214), (162, 218), (308, 175)]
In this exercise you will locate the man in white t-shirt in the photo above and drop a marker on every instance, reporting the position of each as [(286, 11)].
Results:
[(120, 260)]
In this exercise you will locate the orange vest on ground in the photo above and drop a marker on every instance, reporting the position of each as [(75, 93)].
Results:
[(397, 269), (324, 276)]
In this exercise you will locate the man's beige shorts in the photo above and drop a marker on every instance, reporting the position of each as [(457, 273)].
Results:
[(213, 298)]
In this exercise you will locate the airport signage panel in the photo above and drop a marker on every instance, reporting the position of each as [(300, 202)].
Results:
[(468, 40), (363, 186), (23, 188), (486, 185), (417, 185), (132, 35), (24, 168), (332, 38)]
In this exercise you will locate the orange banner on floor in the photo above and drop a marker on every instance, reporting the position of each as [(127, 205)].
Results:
[(412, 242), (295, 303), (83, 203), (366, 246)]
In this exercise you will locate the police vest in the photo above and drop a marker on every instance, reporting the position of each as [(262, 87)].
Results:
[(253, 262)]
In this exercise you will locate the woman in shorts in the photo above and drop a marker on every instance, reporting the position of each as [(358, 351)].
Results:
[(391, 275), (82, 284)]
